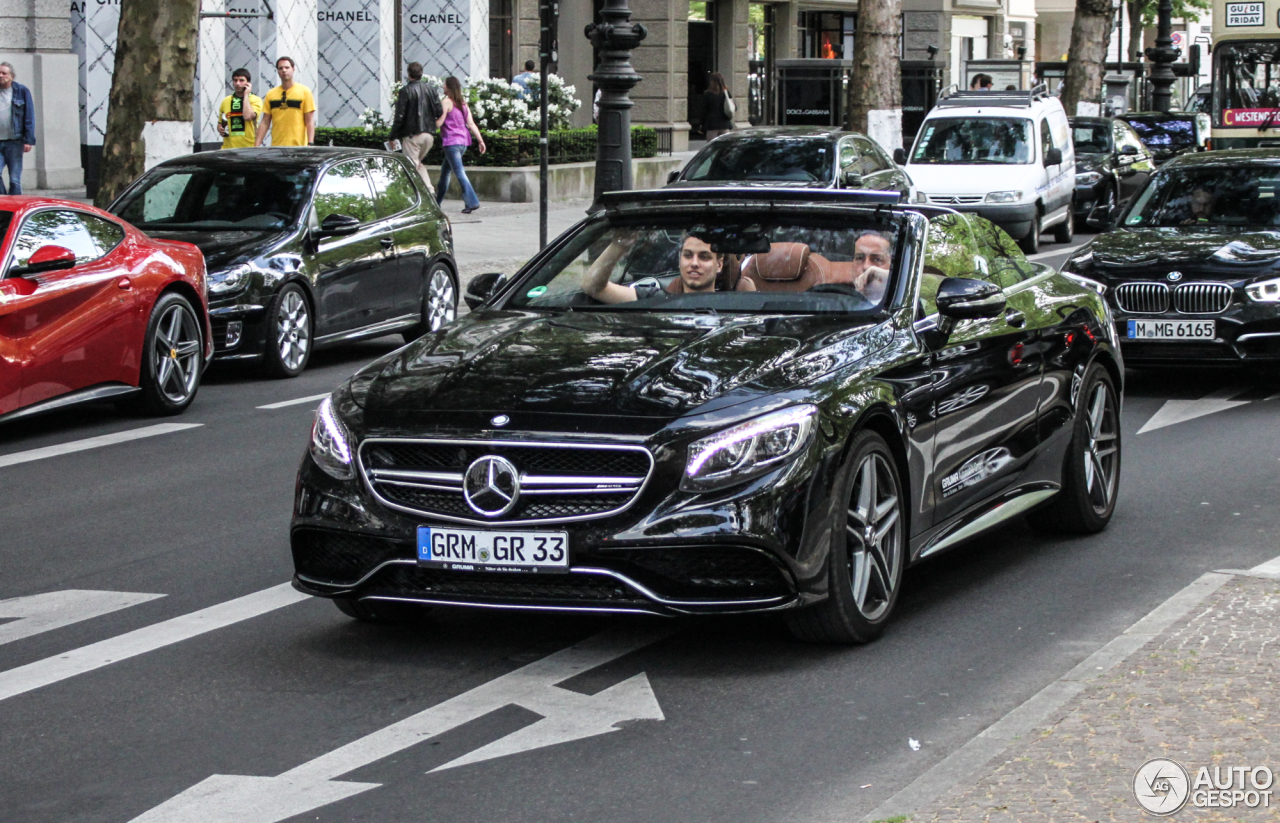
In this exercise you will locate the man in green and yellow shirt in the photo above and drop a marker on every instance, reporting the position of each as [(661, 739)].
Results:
[(239, 112), (289, 111)]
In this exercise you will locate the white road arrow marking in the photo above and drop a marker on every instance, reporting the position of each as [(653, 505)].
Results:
[(38, 613), (1180, 411), (566, 715)]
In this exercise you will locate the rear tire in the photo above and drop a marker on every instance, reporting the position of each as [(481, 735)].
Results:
[(1031, 243), (868, 551), (289, 333), (172, 357), (1091, 474), (375, 612), (1064, 232)]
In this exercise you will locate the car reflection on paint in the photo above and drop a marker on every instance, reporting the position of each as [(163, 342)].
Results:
[(788, 442)]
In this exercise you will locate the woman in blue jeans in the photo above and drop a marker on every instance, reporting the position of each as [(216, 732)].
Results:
[(456, 128)]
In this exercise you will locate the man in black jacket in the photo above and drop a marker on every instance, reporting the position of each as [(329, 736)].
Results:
[(417, 108)]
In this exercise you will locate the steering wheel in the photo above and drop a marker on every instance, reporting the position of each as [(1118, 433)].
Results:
[(838, 288)]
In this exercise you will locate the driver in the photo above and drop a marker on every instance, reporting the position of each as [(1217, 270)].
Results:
[(872, 253), (1202, 203), (700, 268)]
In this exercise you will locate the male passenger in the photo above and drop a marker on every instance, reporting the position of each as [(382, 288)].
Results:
[(872, 254), (239, 112), (290, 114)]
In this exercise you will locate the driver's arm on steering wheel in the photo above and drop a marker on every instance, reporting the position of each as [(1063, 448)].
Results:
[(595, 282)]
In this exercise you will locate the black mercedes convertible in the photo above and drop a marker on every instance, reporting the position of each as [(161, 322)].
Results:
[(718, 400)]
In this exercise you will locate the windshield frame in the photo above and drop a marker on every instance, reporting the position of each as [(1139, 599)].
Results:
[(708, 153), (918, 147), (1141, 125), (1229, 50), (1107, 128), (311, 174), (1161, 180)]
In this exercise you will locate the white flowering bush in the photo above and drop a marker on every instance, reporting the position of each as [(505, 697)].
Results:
[(561, 102), (372, 120), (496, 105)]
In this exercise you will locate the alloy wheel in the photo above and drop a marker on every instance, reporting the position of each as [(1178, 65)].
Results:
[(177, 353), (1101, 455), (442, 301), (874, 537), (293, 330)]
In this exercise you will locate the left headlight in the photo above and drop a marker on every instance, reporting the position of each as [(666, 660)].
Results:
[(1004, 197), (1264, 291), (331, 443), (748, 449), (230, 280), (1087, 178)]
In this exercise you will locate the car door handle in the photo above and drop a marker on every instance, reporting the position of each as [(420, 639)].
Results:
[(387, 243), (124, 283), (1015, 318)]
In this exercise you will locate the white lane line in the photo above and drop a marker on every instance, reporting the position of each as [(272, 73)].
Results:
[(94, 442), (1055, 251), (312, 399), (140, 641), (38, 613)]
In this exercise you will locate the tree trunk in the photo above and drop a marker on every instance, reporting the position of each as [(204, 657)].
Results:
[(153, 80), (1090, 37), (875, 87), (1136, 30)]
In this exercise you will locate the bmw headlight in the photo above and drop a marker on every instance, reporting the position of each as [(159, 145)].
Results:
[(748, 449), (1087, 178), (331, 443), (229, 280), (1004, 197), (1264, 291)]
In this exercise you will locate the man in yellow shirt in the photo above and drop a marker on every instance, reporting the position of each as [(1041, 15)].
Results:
[(238, 115), (289, 111)]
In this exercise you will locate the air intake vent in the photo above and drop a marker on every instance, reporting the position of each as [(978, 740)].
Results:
[(1202, 298), (1143, 298)]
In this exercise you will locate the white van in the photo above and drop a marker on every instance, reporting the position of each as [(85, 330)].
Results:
[(1006, 155)]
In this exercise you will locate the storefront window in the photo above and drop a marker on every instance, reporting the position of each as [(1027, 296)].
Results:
[(500, 40), (828, 34)]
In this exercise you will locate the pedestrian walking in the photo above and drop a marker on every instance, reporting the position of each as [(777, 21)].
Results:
[(239, 112), (17, 127), (289, 111), (522, 79), (717, 107), (456, 128), (417, 109)]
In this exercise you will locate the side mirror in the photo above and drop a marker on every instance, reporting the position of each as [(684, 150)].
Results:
[(482, 287), (673, 175), (336, 225), (46, 258), (961, 298), (1053, 157), (851, 179), (900, 156), (1129, 150)]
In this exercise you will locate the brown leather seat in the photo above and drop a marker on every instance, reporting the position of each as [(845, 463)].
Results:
[(787, 267)]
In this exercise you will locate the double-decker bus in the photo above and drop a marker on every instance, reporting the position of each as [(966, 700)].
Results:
[(1246, 73)]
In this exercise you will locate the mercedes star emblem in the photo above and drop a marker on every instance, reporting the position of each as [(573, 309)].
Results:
[(1174, 276), (500, 421), (491, 486)]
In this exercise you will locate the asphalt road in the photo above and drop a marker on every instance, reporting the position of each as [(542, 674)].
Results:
[(754, 726)]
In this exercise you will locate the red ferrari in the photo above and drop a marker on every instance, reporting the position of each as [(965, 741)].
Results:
[(91, 309)]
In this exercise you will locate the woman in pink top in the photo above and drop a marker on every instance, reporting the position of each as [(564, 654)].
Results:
[(456, 128)]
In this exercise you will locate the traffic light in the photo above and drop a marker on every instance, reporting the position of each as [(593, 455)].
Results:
[(549, 22)]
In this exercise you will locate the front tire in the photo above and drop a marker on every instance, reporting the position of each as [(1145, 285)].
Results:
[(1091, 475), (172, 358), (439, 303), (289, 330), (1031, 243), (868, 551), (1065, 231)]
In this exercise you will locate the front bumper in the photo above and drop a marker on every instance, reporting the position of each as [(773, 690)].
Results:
[(1088, 198), (1246, 333), (1016, 219), (239, 327)]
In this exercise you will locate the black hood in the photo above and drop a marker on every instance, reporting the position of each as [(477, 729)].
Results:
[(629, 363), (227, 248), (1227, 246)]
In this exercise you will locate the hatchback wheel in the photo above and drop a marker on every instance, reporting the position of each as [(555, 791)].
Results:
[(439, 304), (868, 552), (172, 358), (288, 333)]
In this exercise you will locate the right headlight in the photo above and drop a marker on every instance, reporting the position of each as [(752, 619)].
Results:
[(1264, 291), (1004, 197), (748, 449), (229, 280), (1087, 178), (331, 443)]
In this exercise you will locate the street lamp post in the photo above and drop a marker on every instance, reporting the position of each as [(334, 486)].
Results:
[(1163, 55), (615, 37)]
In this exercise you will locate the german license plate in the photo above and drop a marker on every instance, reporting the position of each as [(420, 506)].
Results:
[(470, 550), (1172, 330)]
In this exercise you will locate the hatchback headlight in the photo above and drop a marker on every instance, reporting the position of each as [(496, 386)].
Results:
[(229, 280), (1004, 197), (1087, 178), (1264, 291), (748, 449), (331, 443)]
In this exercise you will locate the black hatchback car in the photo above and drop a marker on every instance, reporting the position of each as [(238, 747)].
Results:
[(305, 246), (1112, 165), (1193, 269), (718, 400), (778, 156)]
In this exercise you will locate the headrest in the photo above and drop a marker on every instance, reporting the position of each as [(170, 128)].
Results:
[(784, 262)]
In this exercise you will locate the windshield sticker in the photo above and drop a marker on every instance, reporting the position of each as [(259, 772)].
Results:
[(536, 291)]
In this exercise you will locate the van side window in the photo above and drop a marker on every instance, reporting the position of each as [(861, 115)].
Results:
[(1046, 138)]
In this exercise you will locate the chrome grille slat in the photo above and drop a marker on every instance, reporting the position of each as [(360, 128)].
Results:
[(1142, 298), (1202, 298)]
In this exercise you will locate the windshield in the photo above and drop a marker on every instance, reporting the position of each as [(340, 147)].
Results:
[(1210, 196), (1165, 136), (1091, 138), (775, 158), (215, 199), (761, 266), (968, 140), (1248, 78)]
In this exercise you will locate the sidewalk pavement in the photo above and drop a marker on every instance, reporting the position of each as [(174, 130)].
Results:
[(1201, 690), (502, 236)]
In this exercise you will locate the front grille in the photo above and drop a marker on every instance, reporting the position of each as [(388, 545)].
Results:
[(1143, 298), (558, 481), (341, 557), (404, 580), (1202, 298), (707, 571), (955, 199)]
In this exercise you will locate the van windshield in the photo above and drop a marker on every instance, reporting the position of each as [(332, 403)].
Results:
[(975, 140)]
